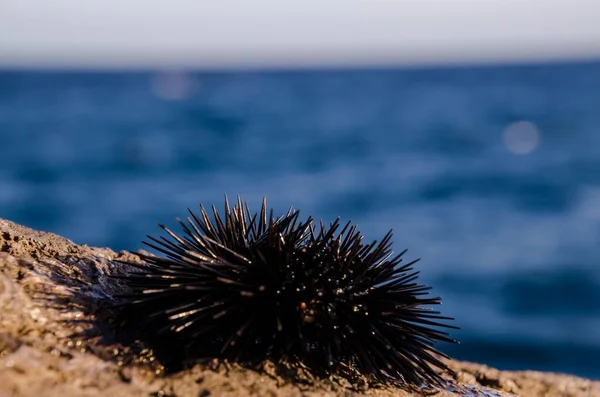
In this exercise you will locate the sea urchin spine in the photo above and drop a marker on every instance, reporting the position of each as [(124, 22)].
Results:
[(254, 287)]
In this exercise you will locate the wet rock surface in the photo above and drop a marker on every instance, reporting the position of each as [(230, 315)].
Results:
[(53, 344)]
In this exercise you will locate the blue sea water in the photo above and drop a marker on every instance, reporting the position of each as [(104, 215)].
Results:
[(491, 175)]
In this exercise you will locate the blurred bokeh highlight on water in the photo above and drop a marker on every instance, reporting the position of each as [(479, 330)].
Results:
[(491, 175)]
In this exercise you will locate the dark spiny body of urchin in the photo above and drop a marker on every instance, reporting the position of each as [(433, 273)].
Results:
[(250, 288)]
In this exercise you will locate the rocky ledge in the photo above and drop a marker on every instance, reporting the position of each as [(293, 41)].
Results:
[(52, 344)]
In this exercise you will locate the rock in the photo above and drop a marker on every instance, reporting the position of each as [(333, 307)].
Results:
[(53, 342)]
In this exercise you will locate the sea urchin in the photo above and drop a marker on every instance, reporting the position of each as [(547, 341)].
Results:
[(249, 288)]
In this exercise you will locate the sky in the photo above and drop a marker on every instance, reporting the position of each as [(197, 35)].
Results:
[(247, 33)]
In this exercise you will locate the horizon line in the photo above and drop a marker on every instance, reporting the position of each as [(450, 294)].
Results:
[(291, 66)]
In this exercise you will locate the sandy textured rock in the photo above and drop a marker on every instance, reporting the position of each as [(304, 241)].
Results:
[(53, 344)]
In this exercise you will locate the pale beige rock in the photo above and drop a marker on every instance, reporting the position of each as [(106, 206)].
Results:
[(40, 356)]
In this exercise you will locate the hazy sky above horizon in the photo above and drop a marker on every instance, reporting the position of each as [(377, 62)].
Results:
[(187, 33)]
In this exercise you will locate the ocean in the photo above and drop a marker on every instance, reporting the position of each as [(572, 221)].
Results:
[(490, 175)]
